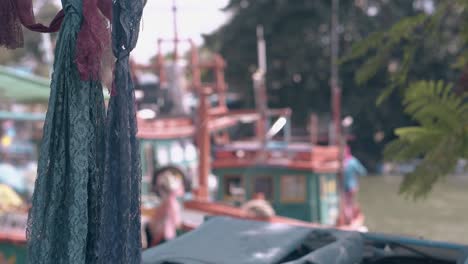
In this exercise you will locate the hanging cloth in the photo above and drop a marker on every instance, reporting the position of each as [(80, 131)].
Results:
[(64, 221), (120, 237), (84, 211)]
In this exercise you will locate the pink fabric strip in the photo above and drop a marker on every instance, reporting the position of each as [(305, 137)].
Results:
[(93, 38)]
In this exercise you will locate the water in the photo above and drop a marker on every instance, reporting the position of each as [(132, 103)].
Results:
[(442, 216)]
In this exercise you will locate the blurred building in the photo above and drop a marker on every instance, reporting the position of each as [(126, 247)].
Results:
[(23, 103)]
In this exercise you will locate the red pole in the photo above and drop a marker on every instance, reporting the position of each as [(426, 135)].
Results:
[(204, 144), (313, 126), (336, 112), (336, 104), (334, 78)]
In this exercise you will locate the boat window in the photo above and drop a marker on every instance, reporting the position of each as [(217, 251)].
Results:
[(162, 156), (293, 188), (233, 187), (264, 185), (177, 153), (190, 152)]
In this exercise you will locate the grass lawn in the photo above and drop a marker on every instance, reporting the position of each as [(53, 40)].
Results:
[(442, 216)]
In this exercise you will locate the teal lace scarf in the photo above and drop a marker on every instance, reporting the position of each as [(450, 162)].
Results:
[(120, 237), (85, 208), (63, 223)]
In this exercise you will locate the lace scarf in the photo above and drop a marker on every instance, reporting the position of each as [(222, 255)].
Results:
[(120, 236), (85, 207)]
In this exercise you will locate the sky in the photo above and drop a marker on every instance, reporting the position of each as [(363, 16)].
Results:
[(195, 17)]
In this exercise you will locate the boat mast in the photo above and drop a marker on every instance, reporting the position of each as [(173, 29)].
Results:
[(260, 86), (337, 138), (176, 33), (334, 78), (176, 73)]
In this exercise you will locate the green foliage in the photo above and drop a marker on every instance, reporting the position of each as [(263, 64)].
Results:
[(440, 139), (423, 35), (386, 43), (425, 46)]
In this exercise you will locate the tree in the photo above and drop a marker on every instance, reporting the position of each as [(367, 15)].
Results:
[(297, 36), (440, 137)]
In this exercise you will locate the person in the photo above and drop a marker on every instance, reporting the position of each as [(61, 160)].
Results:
[(352, 170), (258, 207), (166, 219)]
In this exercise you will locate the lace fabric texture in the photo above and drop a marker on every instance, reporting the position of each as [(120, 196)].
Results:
[(120, 237), (86, 204), (64, 219)]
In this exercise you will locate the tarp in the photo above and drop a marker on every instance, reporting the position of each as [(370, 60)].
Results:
[(21, 87), (346, 247), (228, 240)]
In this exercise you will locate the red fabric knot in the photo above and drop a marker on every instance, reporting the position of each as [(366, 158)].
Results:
[(93, 38)]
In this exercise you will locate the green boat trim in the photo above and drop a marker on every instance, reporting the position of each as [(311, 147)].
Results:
[(16, 116)]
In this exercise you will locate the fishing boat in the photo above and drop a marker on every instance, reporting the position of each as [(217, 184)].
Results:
[(224, 173)]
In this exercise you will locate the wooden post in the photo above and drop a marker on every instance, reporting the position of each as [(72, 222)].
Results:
[(219, 65), (313, 129), (334, 78), (260, 88), (204, 145), (160, 65)]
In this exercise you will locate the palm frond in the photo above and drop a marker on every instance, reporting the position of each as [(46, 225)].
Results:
[(437, 163), (413, 142), (440, 139), (434, 104)]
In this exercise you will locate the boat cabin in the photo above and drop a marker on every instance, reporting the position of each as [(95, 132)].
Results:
[(298, 179)]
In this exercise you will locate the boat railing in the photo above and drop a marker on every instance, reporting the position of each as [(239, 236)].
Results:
[(324, 158)]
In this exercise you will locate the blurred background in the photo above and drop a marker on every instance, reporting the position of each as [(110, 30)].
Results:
[(298, 40)]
